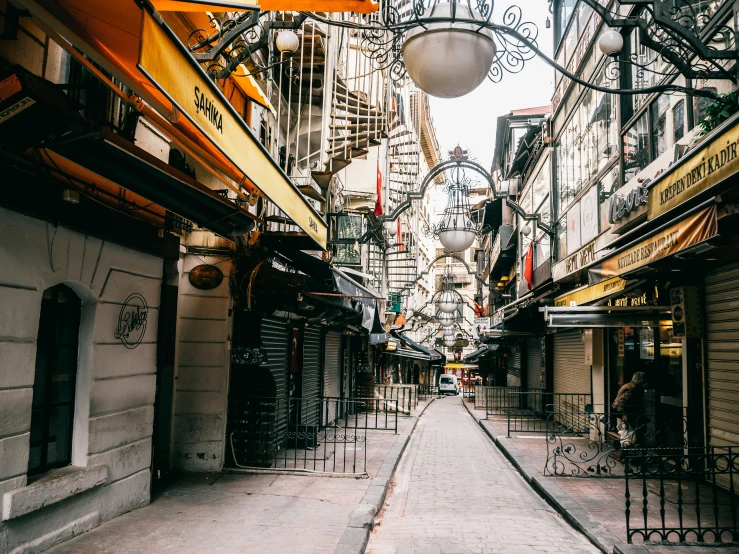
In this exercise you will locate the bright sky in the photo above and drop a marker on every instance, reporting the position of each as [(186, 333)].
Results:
[(471, 120)]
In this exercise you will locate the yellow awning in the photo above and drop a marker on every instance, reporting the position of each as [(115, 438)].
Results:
[(110, 33), (358, 6)]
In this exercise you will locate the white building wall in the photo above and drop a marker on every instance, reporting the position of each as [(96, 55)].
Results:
[(115, 384), (202, 369)]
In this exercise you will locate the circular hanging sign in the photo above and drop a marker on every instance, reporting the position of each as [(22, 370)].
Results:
[(206, 277)]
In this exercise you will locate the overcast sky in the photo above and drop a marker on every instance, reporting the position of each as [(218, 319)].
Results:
[(471, 120)]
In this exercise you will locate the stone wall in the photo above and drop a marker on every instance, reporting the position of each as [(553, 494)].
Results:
[(115, 385)]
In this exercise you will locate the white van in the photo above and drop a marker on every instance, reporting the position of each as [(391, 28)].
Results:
[(448, 384)]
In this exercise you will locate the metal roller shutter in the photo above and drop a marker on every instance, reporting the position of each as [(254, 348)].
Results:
[(332, 370), (275, 335), (571, 375), (513, 367), (534, 363), (311, 385), (722, 356)]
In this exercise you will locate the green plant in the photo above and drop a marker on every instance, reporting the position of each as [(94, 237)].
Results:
[(717, 112)]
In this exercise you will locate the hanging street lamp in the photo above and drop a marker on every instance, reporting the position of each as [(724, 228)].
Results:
[(456, 230), (446, 320), (449, 341)]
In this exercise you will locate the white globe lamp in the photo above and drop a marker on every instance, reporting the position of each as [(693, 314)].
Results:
[(287, 42), (449, 341), (446, 320), (457, 240), (391, 227), (449, 331), (448, 302), (448, 59), (611, 42)]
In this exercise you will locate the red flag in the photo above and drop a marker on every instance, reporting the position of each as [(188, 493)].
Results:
[(528, 268), (378, 202)]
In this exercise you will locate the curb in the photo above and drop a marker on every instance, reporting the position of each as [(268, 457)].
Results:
[(356, 535), (570, 510)]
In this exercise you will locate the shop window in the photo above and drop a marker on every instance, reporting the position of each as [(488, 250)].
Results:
[(636, 148), (55, 380)]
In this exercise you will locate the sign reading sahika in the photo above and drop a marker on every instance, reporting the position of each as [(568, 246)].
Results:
[(179, 77)]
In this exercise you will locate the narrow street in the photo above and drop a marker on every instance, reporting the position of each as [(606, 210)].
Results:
[(454, 492)]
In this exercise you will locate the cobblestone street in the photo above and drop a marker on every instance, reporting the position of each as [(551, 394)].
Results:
[(454, 492)]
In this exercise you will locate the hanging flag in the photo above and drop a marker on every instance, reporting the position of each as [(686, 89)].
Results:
[(378, 202), (528, 268)]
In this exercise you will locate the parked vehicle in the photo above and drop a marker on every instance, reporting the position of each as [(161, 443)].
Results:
[(448, 384)]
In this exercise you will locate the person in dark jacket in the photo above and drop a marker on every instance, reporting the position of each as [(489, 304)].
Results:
[(629, 406)]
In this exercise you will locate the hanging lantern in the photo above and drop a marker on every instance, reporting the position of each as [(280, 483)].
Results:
[(446, 320), (449, 341), (456, 230), (449, 331), (449, 302), (446, 58)]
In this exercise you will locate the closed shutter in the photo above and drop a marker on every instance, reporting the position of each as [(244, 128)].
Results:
[(571, 375), (722, 356), (332, 371), (275, 342), (311, 384), (513, 367), (533, 363)]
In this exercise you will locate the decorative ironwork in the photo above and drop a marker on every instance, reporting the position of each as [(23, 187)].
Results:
[(598, 444), (132, 320), (675, 31), (695, 493)]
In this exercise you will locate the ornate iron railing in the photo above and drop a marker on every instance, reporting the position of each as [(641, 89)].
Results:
[(303, 435), (538, 411), (596, 444), (682, 495), (362, 413)]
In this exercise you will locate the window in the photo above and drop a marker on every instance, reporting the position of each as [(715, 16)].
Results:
[(678, 121), (636, 148), (54, 381), (659, 110)]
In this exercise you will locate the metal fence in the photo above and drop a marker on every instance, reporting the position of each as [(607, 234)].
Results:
[(469, 390), (298, 434), (405, 395), (597, 443), (495, 400), (682, 495), (544, 412), (363, 413), (427, 391)]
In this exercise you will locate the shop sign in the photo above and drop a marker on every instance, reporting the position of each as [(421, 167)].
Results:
[(132, 318), (181, 79), (480, 326), (633, 300), (707, 167), (691, 231), (622, 205), (592, 293), (575, 262), (205, 277)]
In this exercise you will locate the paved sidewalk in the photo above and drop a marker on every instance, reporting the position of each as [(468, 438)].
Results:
[(262, 513), (454, 492), (593, 505)]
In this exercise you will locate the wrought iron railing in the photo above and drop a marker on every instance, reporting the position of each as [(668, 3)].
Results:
[(497, 401), (595, 444), (682, 495), (363, 413), (539, 411), (405, 395), (302, 435), (427, 391)]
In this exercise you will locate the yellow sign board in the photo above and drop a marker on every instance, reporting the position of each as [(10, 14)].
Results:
[(706, 168), (592, 293), (692, 230), (178, 76)]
